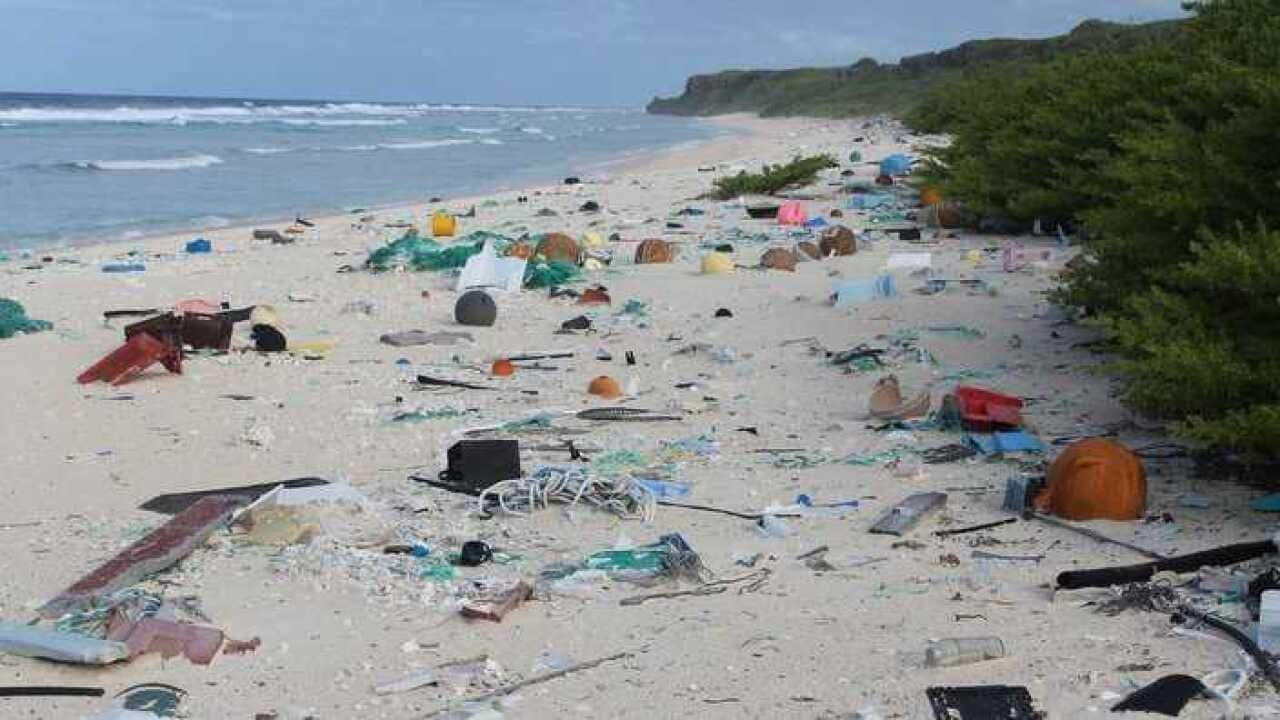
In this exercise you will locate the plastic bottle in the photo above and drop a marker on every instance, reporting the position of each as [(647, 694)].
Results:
[(963, 651), (1269, 621), (773, 527)]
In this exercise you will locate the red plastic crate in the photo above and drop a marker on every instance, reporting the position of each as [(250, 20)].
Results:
[(129, 360), (986, 411)]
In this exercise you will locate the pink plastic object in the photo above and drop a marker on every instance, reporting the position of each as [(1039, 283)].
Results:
[(199, 306), (792, 213), (197, 642)]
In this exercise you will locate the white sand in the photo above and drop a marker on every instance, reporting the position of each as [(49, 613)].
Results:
[(335, 623)]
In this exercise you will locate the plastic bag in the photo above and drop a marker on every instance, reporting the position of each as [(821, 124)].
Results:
[(896, 164), (792, 213), (487, 270), (859, 291)]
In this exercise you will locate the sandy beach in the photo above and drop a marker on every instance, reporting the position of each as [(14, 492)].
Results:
[(338, 618)]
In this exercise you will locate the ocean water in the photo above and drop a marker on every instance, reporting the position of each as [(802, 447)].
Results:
[(77, 168)]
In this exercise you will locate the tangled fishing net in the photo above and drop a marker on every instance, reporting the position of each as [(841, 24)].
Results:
[(414, 252), (14, 320)]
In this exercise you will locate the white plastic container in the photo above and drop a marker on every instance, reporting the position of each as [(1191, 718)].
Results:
[(963, 651), (1269, 622)]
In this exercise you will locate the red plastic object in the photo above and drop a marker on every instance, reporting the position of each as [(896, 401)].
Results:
[(987, 411), (129, 360)]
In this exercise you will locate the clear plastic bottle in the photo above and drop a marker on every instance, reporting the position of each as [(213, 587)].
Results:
[(963, 651), (1269, 621), (773, 527)]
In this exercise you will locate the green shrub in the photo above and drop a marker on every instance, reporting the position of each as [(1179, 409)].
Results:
[(1170, 157), (1032, 145), (772, 178), (1201, 348)]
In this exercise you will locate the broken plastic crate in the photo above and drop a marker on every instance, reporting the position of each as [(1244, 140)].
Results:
[(131, 359), (979, 410)]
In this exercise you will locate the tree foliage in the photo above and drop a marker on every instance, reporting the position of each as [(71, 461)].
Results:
[(1170, 159)]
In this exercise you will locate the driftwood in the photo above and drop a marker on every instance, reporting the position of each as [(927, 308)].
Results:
[(536, 680)]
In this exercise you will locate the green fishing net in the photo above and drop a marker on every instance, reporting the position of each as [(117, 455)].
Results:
[(546, 274), (417, 253), (14, 320), (738, 236)]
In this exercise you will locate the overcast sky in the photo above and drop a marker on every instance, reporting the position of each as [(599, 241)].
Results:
[(594, 52)]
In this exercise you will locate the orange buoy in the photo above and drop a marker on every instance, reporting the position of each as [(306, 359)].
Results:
[(558, 247), (503, 368), (778, 259), (1095, 479), (605, 387), (654, 250)]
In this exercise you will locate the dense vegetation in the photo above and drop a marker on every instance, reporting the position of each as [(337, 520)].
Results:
[(1168, 156), (772, 178), (868, 87)]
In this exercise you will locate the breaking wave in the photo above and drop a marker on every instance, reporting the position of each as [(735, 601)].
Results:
[(175, 163), (326, 114), (423, 144)]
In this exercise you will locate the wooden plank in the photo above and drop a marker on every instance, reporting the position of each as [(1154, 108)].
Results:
[(496, 606), (159, 550), (902, 517)]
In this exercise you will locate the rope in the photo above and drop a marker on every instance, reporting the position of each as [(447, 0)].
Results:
[(622, 496)]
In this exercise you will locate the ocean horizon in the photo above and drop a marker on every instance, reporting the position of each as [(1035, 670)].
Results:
[(80, 168)]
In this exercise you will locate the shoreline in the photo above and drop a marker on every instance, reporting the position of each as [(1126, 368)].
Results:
[(732, 127), (338, 617)]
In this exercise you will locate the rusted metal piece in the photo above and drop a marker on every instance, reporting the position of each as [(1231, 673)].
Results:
[(159, 550)]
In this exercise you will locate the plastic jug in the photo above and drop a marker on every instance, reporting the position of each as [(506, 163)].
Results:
[(443, 224)]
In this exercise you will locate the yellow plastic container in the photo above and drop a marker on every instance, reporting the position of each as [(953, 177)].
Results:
[(717, 264), (443, 224)]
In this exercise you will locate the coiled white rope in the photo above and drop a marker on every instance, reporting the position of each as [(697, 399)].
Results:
[(622, 496)]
